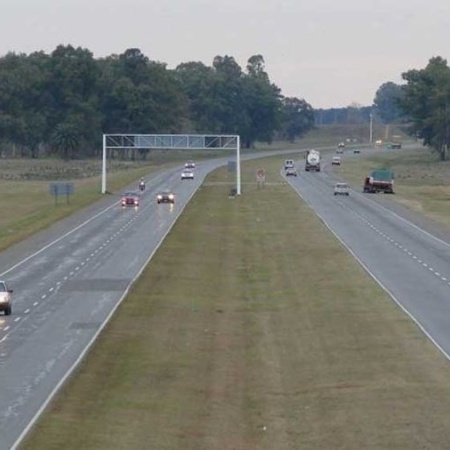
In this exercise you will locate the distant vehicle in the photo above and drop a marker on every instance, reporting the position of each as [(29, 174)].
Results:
[(381, 180), (356, 151), (130, 199), (341, 145), (187, 174), (291, 172), (336, 161), (165, 197), (378, 142), (312, 161), (142, 186), (341, 189), (340, 150), (189, 164), (289, 164), (396, 142), (5, 299)]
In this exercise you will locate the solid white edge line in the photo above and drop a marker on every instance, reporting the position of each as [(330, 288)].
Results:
[(373, 276), (57, 240), (95, 336)]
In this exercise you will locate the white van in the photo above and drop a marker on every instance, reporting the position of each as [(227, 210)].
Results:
[(289, 164)]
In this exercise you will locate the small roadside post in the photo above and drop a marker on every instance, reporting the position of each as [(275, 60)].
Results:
[(260, 177)]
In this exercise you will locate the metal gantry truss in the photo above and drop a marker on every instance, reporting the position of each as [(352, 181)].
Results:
[(172, 141)]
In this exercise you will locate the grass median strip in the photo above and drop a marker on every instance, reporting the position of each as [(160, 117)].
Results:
[(253, 328)]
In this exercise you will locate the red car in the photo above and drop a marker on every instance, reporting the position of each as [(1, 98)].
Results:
[(130, 199)]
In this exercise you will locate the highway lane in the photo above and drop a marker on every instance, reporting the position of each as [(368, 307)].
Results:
[(410, 262), (67, 283)]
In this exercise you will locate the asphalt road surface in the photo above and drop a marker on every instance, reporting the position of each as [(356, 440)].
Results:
[(67, 282), (406, 254), (69, 279)]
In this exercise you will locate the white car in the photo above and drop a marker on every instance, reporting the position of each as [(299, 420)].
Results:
[(341, 189), (336, 161), (5, 299), (187, 174)]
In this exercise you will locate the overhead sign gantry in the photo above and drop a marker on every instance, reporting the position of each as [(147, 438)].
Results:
[(172, 141)]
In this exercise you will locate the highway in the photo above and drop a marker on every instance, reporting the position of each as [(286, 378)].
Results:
[(69, 279), (405, 255), (67, 282)]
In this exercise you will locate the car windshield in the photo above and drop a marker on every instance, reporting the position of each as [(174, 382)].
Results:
[(130, 194), (2, 287), (341, 185)]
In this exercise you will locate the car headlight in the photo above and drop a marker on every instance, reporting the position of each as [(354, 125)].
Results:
[(171, 196), (159, 197)]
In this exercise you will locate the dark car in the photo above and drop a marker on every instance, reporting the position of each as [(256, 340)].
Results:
[(5, 298), (165, 197), (130, 199), (189, 164), (291, 172)]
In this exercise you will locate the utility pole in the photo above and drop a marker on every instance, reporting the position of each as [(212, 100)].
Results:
[(371, 129)]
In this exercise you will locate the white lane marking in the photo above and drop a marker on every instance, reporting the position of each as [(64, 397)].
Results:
[(7, 328), (17, 319), (78, 227), (97, 333), (51, 289), (43, 296), (35, 303), (394, 298), (409, 223), (27, 311), (396, 244)]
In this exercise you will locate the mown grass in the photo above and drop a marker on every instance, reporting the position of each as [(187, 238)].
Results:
[(253, 328), (29, 207), (422, 181)]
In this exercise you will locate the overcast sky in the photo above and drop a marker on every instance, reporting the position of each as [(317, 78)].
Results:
[(332, 53)]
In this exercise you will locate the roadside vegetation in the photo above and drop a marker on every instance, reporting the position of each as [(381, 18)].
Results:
[(422, 180), (262, 333)]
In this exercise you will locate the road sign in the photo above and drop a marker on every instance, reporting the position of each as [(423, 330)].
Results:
[(260, 177), (61, 188)]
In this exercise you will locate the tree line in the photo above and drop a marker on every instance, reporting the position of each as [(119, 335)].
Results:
[(422, 102), (63, 102)]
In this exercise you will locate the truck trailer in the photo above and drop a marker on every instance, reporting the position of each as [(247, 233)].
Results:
[(381, 180), (312, 161)]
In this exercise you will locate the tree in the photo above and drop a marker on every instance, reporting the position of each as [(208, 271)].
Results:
[(66, 139), (197, 82), (387, 102), (426, 101), (297, 118)]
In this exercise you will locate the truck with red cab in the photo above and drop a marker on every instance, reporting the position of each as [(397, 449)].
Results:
[(380, 180)]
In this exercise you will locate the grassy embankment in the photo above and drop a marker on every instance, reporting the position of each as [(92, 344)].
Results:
[(28, 206), (422, 183), (253, 328)]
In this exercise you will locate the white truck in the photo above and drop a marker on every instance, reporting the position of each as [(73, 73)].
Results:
[(312, 161)]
